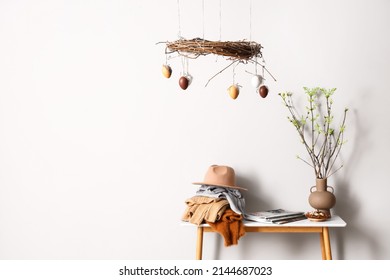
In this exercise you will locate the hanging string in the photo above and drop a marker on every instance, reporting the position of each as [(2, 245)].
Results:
[(250, 20), (234, 73), (250, 32), (203, 18), (256, 65), (184, 64), (220, 20), (178, 15), (263, 72)]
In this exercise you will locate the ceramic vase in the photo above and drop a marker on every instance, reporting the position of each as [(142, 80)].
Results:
[(321, 198)]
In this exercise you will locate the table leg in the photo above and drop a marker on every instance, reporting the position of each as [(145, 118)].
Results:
[(199, 243), (322, 245), (328, 251)]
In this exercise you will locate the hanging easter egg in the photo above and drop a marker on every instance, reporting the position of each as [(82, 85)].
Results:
[(184, 82), (189, 78), (263, 91), (166, 71), (233, 91), (256, 80)]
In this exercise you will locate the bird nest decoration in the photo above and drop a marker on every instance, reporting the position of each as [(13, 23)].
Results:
[(233, 50)]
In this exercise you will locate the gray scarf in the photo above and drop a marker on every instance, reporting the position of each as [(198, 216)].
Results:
[(233, 196)]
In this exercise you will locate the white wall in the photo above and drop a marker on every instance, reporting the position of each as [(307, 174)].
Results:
[(98, 150)]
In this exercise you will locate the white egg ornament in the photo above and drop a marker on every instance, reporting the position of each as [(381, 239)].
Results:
[(256, 80), (233, 91)]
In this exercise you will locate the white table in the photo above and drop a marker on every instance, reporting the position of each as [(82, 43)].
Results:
[(303, 226)]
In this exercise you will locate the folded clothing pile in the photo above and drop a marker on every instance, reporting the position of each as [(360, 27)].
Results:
[(222, 208)]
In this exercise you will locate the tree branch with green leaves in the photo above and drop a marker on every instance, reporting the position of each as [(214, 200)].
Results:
[(316, 129)]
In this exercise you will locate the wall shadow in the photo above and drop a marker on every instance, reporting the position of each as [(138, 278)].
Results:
[(256, 200), (347, 204)]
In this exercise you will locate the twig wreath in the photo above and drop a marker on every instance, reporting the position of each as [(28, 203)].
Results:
[(235, 51), (239, 50)]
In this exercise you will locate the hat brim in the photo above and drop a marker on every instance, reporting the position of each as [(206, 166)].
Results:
[(223, 186)]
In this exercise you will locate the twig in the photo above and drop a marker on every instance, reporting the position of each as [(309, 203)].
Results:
[(219, 72), (254, 61)]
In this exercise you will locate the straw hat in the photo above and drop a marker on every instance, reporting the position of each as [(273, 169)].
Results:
[(220, 176)]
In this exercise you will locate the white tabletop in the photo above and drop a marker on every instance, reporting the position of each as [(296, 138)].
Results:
[(334, 221)]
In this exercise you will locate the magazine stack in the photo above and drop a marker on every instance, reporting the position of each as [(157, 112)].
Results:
[(276, 216)]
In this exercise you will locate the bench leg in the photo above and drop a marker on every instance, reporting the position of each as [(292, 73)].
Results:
[(199, 243), (322, 245), (326, 238)]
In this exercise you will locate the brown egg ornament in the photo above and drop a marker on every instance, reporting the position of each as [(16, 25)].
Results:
[(184, 82), (166, 71), (233, 91), (263, 91)]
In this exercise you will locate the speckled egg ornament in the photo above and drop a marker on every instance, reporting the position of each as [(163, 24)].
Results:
[(233, 91), (166, 71)]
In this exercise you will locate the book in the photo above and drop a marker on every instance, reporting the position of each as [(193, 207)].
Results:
[(274, 215), (290, 216), (291, 219)]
